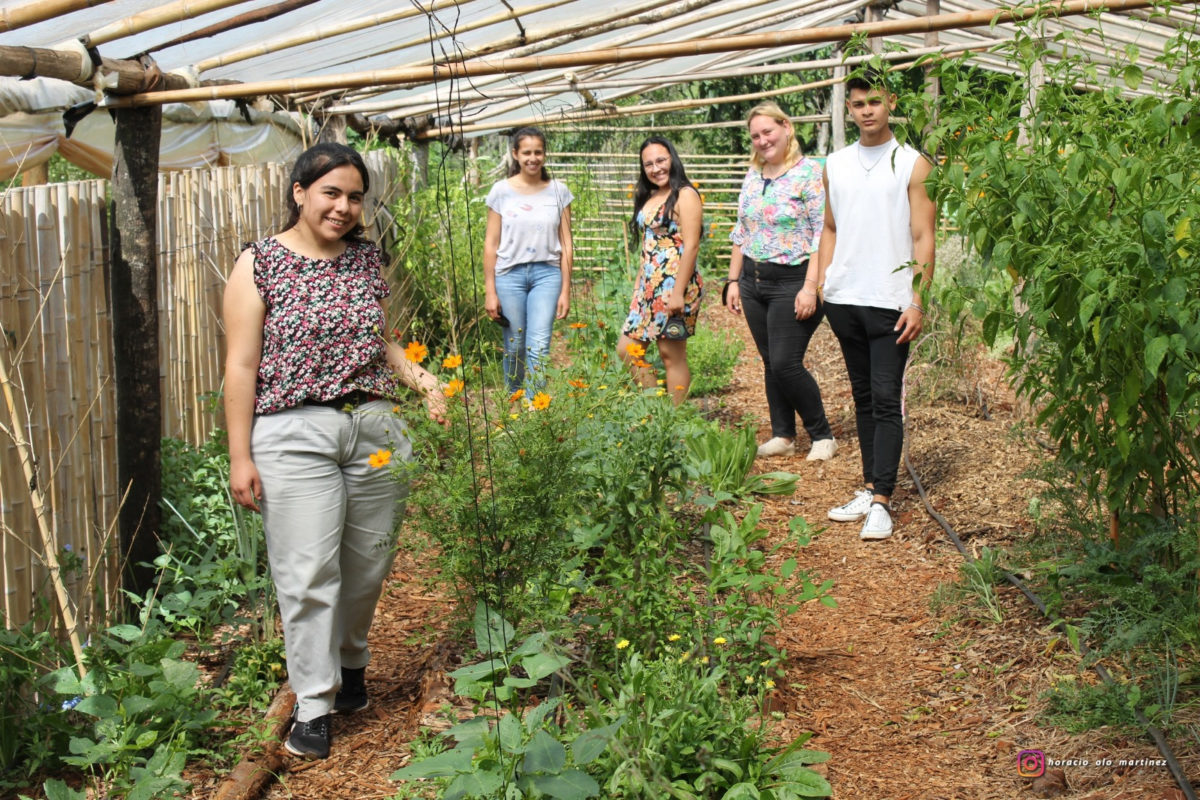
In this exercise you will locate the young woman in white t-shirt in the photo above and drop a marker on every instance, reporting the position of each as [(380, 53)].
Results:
[(527, 258)]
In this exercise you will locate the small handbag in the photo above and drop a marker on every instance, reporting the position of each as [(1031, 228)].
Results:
[(675, 328)]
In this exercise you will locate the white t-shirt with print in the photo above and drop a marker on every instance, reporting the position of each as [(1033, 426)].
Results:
[(528, 223)]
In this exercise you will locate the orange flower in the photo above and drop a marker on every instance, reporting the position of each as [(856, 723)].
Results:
[(416, 352), (541, 401), (452, 362), (643, 363), (452, 388), (577, 325), (636, 350), (519, 394), (380, 458), (577, 384)]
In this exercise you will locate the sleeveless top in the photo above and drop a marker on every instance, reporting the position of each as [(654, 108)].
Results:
[(323, 334), (868, 193)]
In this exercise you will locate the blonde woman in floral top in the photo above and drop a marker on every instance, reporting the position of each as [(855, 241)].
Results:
[(780, 216), (310, 382)]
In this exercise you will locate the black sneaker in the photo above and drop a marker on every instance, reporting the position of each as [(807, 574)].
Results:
[(309, 739), (353, 694)]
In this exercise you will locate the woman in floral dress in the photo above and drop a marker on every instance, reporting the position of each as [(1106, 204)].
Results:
[(666, 297)]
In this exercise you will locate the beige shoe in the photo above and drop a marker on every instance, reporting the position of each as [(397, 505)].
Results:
[(776, 446), (822, 450)]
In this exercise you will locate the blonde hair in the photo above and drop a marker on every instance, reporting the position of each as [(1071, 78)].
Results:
[(772, 110)]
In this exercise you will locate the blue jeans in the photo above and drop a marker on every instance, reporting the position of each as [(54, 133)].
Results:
[(529, 299)]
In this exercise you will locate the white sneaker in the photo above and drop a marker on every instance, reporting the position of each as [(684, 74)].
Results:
[(822, 450), (855, 510), (878, 524), (776, 446)]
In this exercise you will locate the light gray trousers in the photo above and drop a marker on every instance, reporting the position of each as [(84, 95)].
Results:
[(330, 520)]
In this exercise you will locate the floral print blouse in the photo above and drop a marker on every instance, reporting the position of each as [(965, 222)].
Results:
[(324, 325), (780, 219)]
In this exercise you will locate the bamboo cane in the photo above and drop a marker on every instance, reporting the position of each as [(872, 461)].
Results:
[(538, 40), (156, 17), (350, 26), (640, 83), (40, 11), (49, 541), (459, 69), (238, 21)]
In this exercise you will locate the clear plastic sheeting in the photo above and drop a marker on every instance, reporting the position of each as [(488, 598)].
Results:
[(214, 133)]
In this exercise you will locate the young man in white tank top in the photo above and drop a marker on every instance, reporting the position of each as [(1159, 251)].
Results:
[(879, 232)]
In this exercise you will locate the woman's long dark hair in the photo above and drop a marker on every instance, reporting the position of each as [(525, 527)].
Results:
[(514, 143), (676, 177), (319, 160)]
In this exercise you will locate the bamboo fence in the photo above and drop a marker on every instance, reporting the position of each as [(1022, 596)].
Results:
[(57, 348)]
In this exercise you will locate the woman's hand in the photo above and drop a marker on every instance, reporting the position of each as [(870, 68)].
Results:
[(675, 302), (806, 303), (733, 298), (491, 306), (245, 483), (435, 402), (564, 304)]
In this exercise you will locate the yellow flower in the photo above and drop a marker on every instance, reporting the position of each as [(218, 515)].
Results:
[(661, 382), (674, 637), (621, 645), (541, 401), (519, 394), (514, 415), (719, 640), (704, 660), (765, 663), (416, 352), (660, 392), (452, 388), (452, 362), (749, 680), (380, 458), (636, 350), (684, 657), (770, 684)]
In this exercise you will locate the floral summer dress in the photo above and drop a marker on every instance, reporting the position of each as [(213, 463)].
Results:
[(662, 245)]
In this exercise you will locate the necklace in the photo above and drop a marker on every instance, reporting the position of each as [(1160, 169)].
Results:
[(874, 164)]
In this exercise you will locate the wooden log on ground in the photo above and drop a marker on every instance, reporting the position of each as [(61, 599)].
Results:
[(251, 775)]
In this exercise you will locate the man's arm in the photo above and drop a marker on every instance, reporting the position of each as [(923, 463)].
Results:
[(922, 223)]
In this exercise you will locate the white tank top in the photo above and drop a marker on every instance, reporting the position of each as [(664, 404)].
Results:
[(868, 192)]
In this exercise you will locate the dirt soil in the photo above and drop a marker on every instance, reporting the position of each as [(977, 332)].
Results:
[(911, 703)]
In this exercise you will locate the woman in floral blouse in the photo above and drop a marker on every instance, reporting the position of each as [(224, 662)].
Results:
[(310, 381), (780, 216)]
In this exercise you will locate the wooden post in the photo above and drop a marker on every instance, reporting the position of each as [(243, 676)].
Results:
[(473, 163), (36, 176), (933, 85), (134, 296), (420, 157), (837, 110)]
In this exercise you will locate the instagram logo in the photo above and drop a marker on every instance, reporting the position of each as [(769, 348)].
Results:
[(1031, 763)]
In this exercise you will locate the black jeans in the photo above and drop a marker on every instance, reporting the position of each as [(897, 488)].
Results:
[(875, 364), (768, 300)]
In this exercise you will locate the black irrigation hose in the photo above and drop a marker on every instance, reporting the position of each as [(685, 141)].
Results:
[(1164, 748)]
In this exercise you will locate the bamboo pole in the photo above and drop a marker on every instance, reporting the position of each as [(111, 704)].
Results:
[(154, 18), (120, 76), (459, 69), (643, 110), (40, 11), (349, 26), (536, 41), (238, 21), (49, 542), (766, 69)]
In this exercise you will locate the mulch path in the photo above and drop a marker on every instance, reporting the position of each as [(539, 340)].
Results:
[(911, 703)]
